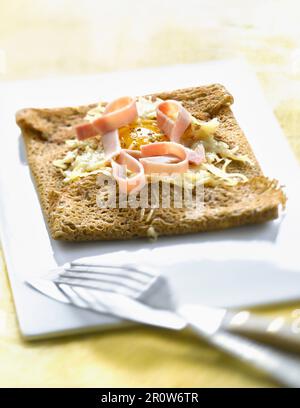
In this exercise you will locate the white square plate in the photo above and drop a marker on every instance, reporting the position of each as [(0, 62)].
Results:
[(242, 266)]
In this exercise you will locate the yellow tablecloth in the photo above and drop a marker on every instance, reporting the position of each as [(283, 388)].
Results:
[(50, 38)]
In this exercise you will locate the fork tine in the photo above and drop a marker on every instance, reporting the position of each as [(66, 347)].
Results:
[(132, 275), (114, 280), (126, 279), (100, 286), (124, 267)]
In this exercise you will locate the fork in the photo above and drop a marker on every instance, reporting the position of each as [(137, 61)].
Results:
[(141, 295)]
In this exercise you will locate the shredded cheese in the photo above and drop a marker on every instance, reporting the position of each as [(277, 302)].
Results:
[(142, 214), (151, 233), (150, 215), (82, 160)]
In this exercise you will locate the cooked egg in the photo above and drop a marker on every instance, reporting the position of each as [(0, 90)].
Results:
[(142, 132)]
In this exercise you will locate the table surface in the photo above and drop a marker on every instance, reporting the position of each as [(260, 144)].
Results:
[(67, 37)]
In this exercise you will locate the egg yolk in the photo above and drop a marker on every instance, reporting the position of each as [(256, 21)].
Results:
[(140, 133)]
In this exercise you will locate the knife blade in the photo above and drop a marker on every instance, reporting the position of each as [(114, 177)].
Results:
[(110, 303), (48, 288)]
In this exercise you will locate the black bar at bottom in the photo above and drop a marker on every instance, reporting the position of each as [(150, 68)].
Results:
[(99, 397)]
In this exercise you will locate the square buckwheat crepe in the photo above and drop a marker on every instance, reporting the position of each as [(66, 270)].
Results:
[(71, 209)]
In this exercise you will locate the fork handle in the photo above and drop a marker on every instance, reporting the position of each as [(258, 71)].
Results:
[(273, 331), (280, 366)]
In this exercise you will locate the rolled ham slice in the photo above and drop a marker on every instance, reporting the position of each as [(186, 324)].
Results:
[(127, 162), (118, 113), (134, 153), (111, 144), (196, 156), (168, 158), (85, 130), (172, 119), (153, 164)]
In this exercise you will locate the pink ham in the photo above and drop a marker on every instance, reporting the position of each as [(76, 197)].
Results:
[(134, 153), (172, 119), (196, 156), (85, 130), (127, 162), (118, 113), (168, 158), (111, 144), (161, 149)]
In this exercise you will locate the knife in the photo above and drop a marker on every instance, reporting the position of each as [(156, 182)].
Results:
[(48, 288)]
